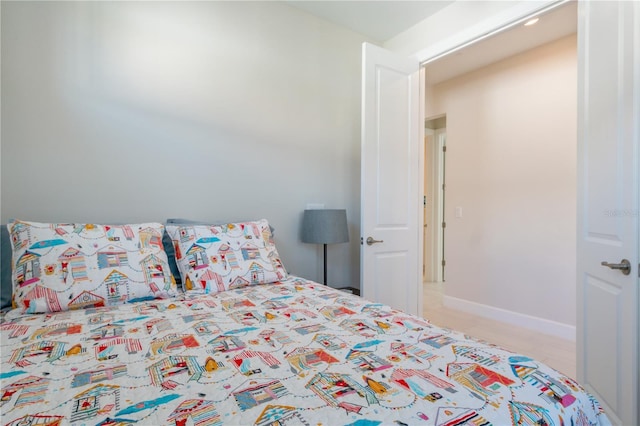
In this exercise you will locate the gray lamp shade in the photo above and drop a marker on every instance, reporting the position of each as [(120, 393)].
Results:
[(326, 226)]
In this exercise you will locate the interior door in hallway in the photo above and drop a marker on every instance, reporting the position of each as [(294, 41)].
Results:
[(429, 269), (434, 189)]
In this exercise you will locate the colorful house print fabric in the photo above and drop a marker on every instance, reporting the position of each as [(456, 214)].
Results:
[(292, 352), (213, 258), (59, 267)]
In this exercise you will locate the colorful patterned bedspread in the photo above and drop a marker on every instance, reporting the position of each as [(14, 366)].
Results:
[(294, 352)]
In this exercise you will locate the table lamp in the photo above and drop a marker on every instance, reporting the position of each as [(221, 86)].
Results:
[(325, 226)]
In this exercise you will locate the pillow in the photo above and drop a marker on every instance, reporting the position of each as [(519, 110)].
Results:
[(6, 288), (58, 267), (215, 258), (168, 244), (180, 221)]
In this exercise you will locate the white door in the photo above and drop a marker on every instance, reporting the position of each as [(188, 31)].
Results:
[(608, 208), (391, 186)]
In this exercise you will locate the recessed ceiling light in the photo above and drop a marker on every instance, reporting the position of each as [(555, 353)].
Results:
[(531, 22)]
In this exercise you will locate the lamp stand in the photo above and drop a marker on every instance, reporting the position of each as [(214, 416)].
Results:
[(325, 264)]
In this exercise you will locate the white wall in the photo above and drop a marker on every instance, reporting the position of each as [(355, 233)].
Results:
[(511, 167), (139, 111)]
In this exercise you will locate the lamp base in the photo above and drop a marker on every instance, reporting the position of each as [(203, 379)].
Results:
[(325, 264)]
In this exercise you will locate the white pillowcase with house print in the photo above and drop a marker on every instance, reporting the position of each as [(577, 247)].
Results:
[(59, 267), (215, 258)]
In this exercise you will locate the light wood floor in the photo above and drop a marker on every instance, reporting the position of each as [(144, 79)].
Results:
[(553, 351)]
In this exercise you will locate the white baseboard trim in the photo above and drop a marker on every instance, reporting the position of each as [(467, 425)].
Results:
[(541, 325)]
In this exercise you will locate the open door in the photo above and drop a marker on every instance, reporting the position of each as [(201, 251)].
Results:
[(608, 207), (392, 131)]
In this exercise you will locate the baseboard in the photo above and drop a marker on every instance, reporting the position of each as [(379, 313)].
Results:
[(541, 325)]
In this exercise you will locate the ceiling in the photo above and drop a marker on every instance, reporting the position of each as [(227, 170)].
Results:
[(382, 20), (379, 20), (553, 25)]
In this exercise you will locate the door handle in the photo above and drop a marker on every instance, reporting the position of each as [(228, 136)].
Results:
[(371, 241), (624, 266)]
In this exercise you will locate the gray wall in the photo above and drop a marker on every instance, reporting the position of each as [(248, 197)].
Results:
[(140, 111)]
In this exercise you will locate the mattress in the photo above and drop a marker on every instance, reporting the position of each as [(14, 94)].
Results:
[(292, 352)]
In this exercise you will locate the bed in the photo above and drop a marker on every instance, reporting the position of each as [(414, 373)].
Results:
[(267, 349)]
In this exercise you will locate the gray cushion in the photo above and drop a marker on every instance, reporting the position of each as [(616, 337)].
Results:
[(5, 267), (171, 256), (213, 222)]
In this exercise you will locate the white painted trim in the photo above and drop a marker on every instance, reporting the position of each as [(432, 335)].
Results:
[(421, 132), (540, 325), (515, 15)]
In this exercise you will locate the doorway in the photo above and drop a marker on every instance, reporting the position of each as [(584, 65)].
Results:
[(494, 176), (434, 228)]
